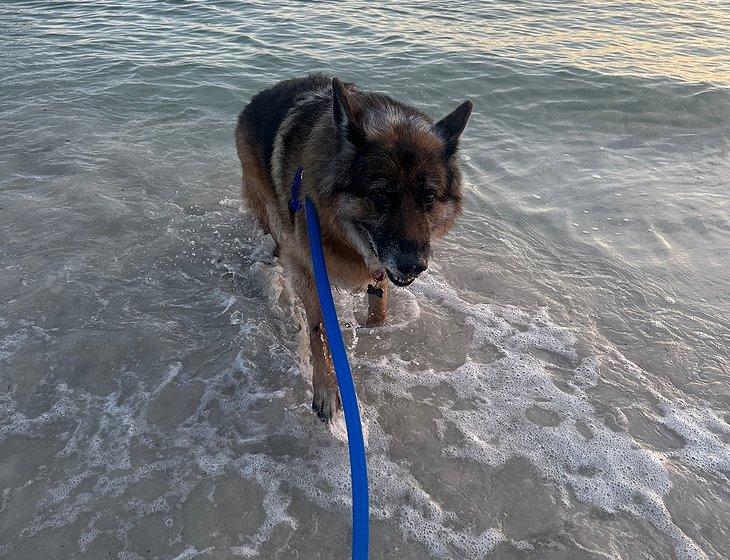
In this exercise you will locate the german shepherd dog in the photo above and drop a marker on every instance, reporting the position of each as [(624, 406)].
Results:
[(382, 175)]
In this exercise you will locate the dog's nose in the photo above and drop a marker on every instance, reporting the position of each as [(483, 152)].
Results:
[(412, 265)]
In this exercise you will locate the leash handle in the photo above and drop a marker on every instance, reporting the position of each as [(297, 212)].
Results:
[(355, 442)]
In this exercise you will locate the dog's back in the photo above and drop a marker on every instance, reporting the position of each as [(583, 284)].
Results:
[(261, 118), (256, 136)]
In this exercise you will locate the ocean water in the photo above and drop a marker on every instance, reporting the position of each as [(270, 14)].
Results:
[(554, 387)]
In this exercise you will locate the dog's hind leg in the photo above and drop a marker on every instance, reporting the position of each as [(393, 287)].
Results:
[(326, 398), (257, 189), (377, 304)]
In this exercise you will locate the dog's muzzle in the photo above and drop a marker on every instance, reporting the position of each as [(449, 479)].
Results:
[(408, 268)]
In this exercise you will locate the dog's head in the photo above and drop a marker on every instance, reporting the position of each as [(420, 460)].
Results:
[(403, 189)]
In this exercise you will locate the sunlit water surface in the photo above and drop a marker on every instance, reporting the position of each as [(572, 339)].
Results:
[(555, 387)]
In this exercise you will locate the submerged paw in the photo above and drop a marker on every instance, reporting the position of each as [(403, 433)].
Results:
[(326, 402)]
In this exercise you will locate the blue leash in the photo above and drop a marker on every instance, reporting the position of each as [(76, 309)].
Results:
[(355, 443)]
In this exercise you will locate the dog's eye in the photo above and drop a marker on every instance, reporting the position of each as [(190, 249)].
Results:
[(429, 199)]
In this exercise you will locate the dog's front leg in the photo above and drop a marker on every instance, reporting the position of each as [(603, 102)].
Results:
[(326, 399), (377, 304)]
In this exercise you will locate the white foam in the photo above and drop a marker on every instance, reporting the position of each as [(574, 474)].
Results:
[(587, 373), (235, 203), (125, 555), (13, 342), (702, 431), (338, 428), (14, 423), (188, 554), (609, 470), (275, 504)]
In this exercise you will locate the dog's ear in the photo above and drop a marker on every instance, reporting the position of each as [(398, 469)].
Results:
[(453, 124), (346, 123)]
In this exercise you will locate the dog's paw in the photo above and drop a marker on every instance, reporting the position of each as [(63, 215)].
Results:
[(326, 402)]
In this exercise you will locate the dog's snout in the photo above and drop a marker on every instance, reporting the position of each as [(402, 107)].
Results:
[(412, 257), (411, 265)]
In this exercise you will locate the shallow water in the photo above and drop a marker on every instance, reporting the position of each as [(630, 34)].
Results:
[(555, 387)]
